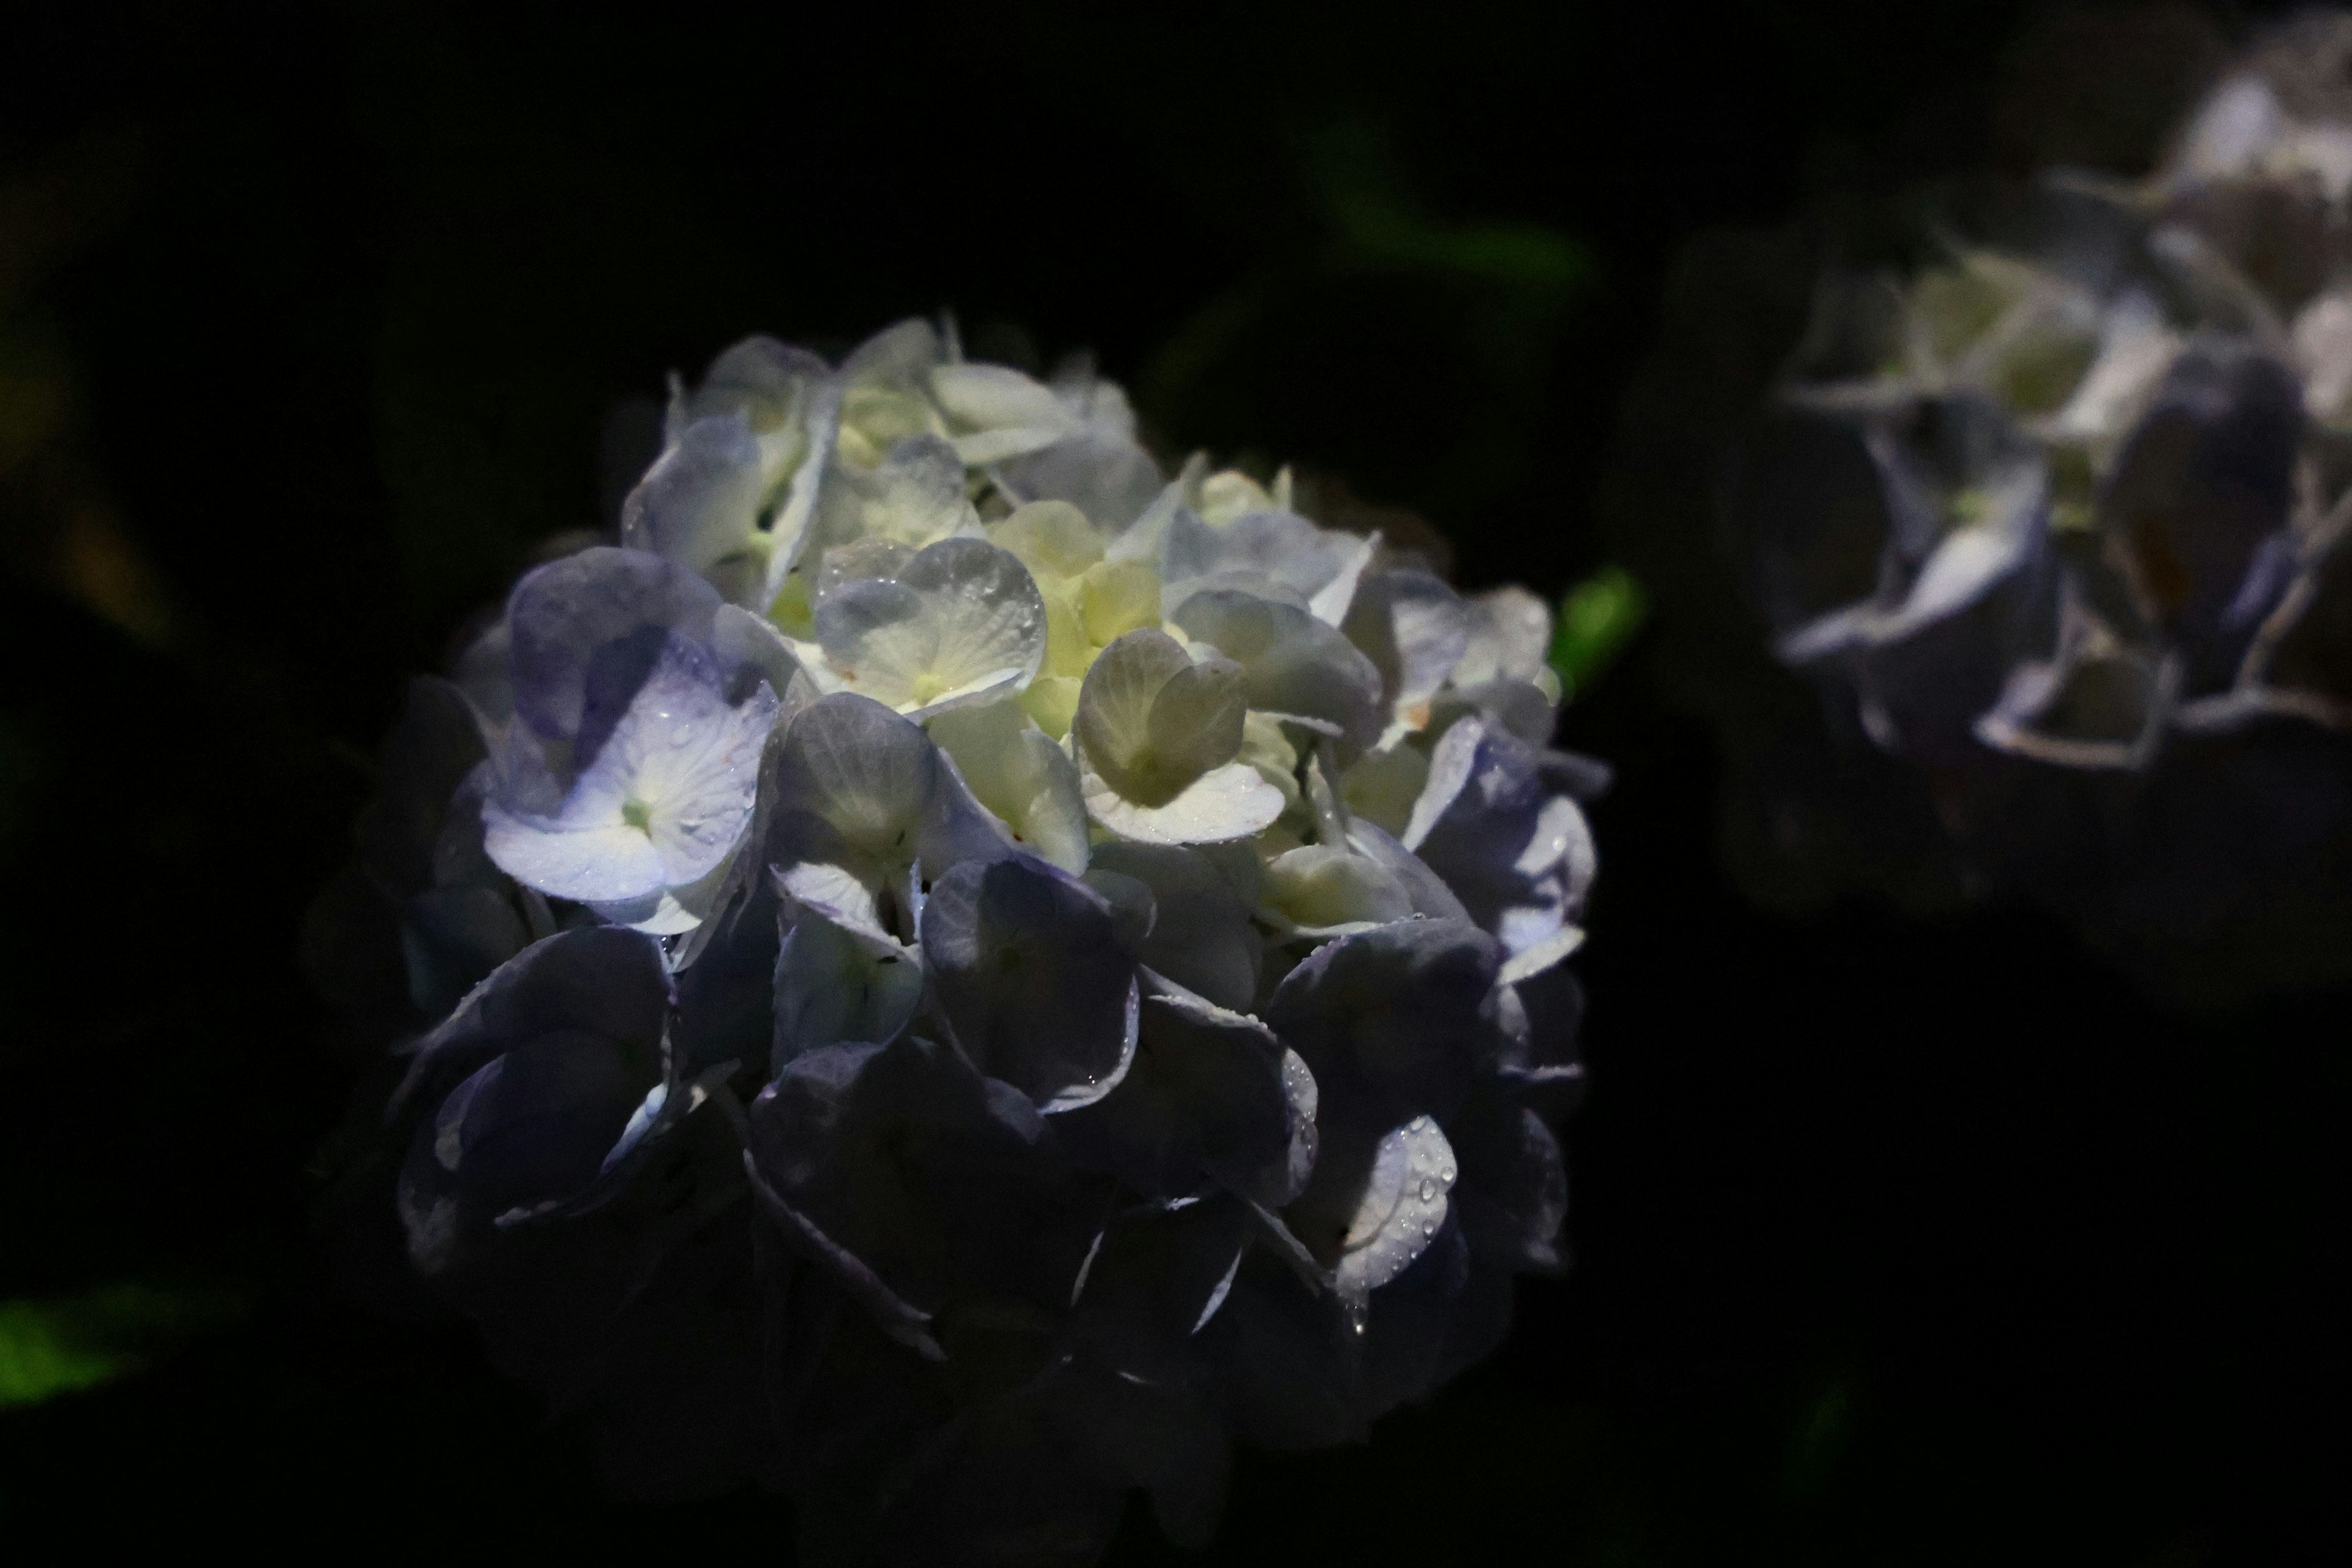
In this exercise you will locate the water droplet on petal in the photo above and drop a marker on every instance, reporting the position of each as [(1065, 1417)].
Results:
[(1428, 1190)]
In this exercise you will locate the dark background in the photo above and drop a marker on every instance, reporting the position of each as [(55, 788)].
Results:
[(1894, 1241)]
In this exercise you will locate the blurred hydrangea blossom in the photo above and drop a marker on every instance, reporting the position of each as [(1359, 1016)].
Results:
[(2056, 521), (954, 974)]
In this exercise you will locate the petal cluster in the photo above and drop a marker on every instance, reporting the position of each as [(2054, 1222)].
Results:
[(986, 971), (2059, 520)]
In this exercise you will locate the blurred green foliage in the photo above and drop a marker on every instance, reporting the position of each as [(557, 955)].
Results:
[(65, 1344), (1597, 619)]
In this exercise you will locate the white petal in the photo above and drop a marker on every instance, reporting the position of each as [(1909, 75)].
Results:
[(1330, 602), (1539, 956), (2237, 123), (837, 894), (1021, 776), (878, 559), (915, 495), (1325, 890), (1294, 663), (1227, 803), (1561, 837), (1049, 536), (1510, 637), (996, 397), (1384, 785), (1450, 763), (960, 621), (2135, 349), (1113, 726), (668, 793), (1147, 536), (693, 772), (594, 865), (1402, 1205), (660, 915), (1197, 719), (674, 911), (982, 448), (794, 519)]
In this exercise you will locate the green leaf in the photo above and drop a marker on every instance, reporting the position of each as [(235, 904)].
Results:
[(1597, 619), (65, 1344)]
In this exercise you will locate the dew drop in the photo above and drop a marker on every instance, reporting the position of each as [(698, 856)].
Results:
[(1428, 1190)]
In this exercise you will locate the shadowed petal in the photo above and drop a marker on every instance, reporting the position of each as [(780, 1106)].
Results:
[(1203, 1100), (562, 613), (1030, 971)]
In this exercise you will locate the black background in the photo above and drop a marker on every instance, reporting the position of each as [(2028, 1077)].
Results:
[(1894, 1241)]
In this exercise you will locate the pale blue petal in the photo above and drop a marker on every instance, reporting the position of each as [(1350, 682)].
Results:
[(835, 985), (1414, 629), (672, 779), (1274, 554), (1108, 476), (700, 501), (607, 863), (1516, 851), (562, 613), (760, 379)]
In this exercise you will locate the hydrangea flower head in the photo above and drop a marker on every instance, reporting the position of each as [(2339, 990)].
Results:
[(995, 970), (2050, 515)]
